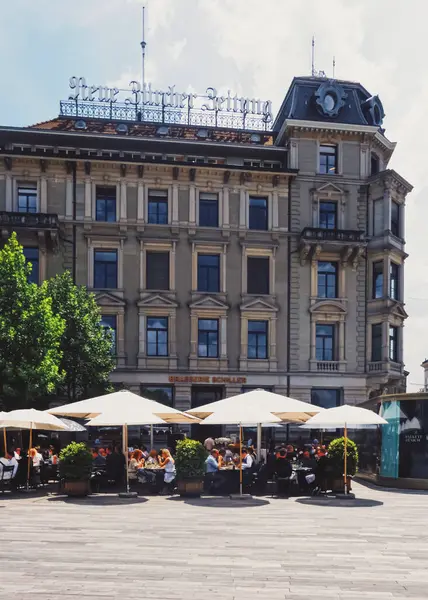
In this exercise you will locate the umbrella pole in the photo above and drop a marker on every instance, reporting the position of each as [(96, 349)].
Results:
[(240, 460), (346, 460), (151, 437), (5, 441), (29, 457), (125, 438), (259, 441)]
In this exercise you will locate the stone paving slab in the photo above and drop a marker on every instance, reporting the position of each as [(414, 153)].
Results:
[(103, 547)]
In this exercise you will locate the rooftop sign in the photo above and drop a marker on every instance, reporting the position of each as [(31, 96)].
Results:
[(147, 104)]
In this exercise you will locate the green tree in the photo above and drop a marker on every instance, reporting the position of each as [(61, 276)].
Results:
[(87, 359), (30, 333)]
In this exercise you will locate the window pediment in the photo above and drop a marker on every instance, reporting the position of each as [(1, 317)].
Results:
[(106, 299), (328, 306), (329, 189), (209, 302), (258, 304), (398, 311), (158, 301)]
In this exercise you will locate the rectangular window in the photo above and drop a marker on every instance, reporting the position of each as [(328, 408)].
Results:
[(258, 213), (327, 279), (377, 342), (32, 257), (160, 393), (374, 164), (395, 219), (377, 291), (158, 207), (208, 273), (157, 336), (326, 398), (393, 343), (157, 270), (105, 269), (105, 203), (27, 198), (394, 280), (258, 275), (328, 159), (378, 226), (109, 323), (208, 338), (325, 342), (208, 210), (257, 339), (328, 215)]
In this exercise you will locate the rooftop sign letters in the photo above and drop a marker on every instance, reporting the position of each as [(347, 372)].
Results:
[(145, 103)]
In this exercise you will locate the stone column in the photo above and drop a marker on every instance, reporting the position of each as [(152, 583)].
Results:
[(342, 341), (226, 217), (387, 209), (192, 205), (223, 337), (140, 202), (275, 219)]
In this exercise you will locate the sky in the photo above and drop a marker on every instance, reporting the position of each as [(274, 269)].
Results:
[(252, 47)]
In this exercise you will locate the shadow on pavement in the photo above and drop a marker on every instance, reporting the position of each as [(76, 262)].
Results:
[(95, 500), (220, 502), (346, 503), (381, 488)]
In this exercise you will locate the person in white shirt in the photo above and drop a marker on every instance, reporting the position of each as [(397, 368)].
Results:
[(247, 461), (8, 461)]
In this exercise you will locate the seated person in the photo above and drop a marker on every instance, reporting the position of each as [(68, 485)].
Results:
[(8, 461), (136, 462), (115, 463), (98, 460), (211, 463), (152, 461), (283, 472), (221, 458), (167, 463)]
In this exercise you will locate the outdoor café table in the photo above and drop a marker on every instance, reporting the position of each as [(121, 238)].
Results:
[(227, 481), (301, 473), (154, 477)]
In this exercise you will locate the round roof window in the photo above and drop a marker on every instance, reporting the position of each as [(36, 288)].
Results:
[(329, 102)]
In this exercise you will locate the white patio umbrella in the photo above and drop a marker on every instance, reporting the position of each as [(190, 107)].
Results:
[(31, 418), (237, 415), (344, 417), (242, 405), (123, 408), (140, 415)]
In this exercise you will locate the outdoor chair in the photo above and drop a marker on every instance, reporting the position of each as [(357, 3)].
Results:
[(6, 478)]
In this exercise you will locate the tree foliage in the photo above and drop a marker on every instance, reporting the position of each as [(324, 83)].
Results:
[(87, 360), (30, 332)]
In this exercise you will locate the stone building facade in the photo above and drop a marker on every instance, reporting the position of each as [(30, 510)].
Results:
[(226, 259)]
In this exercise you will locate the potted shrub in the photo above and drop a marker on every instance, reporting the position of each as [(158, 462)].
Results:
[(335, 460), (190, 466), (75, 466)]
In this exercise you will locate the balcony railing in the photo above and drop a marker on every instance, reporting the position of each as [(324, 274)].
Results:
[(29, 220), (384, 366), (333, 235), (328, 366)]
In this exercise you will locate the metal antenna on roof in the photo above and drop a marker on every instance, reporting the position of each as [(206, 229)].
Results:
[(334, 65), (143, 49), (313, 56)]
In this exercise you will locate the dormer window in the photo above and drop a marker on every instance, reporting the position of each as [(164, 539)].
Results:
[(328, 159)]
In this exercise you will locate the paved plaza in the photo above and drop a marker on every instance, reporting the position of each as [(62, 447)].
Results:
[(104, 547)]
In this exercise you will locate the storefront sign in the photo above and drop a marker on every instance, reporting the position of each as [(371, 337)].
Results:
[(145, 103), (206, 379)]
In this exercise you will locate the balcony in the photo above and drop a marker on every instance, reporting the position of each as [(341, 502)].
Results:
[(387, 366), (46, 223), (328, 366), (349, 242)]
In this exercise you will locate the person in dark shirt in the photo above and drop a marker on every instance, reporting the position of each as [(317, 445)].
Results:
[(283, 472)]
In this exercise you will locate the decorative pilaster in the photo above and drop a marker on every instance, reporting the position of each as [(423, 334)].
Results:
[(88, 199), (43, 195), (275, 219), (175, 204), (242, 208), (123, 199), (192, 206), (223, 338), (9, 193), (68, 198), (140, 202), (226, 222)]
